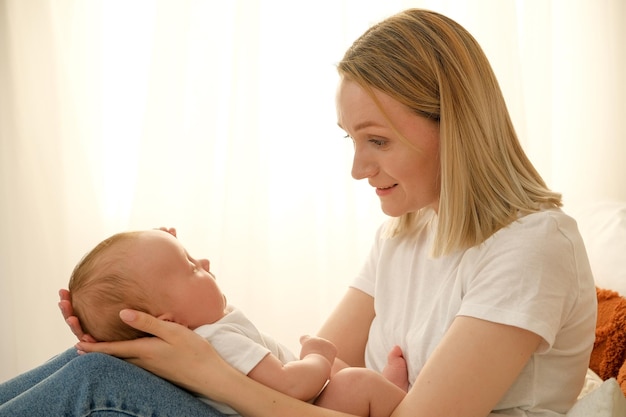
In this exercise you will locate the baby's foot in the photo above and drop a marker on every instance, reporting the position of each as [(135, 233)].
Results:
[(396, 369)]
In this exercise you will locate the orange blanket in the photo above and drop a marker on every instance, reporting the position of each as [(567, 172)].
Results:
[(608, 358)]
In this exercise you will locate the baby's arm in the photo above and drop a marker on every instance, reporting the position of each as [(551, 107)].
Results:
[(302, 379)]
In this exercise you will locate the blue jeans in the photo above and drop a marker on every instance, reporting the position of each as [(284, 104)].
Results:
[(95, 385)]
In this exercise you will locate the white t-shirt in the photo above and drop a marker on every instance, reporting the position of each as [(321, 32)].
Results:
[(242, 345), (533, 274)]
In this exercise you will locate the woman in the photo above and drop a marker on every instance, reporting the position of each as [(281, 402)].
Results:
[(478, 276)]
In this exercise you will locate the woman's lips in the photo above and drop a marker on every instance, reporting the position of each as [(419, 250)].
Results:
[(381, 192)]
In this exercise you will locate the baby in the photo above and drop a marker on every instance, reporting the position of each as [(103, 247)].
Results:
[(152, 272)]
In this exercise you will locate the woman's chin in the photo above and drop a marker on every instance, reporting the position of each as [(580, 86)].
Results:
[(392, 211)]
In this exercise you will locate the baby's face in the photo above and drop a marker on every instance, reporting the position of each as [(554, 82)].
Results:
[(183, 288)]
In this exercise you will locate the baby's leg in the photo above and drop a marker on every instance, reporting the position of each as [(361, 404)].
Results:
[(361, 392), (396, 369)]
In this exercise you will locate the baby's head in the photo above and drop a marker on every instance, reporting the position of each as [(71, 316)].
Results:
[(105, 282), (148, 271)]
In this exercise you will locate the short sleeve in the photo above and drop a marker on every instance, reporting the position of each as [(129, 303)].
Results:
[(527, 275), (237, 349)]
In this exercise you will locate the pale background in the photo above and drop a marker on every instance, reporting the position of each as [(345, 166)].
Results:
[(218, 118)]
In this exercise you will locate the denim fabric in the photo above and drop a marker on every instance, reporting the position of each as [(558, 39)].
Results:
[(95, 385)]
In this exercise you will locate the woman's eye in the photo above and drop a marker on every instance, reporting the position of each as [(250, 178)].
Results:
[(378, 142)]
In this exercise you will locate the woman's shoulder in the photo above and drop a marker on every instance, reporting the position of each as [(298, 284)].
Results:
[(545, 245), (544, 223), (547, 234)]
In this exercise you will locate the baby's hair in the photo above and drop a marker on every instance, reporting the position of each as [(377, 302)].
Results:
[(102, 284)]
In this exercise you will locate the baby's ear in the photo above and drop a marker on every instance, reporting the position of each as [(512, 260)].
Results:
[(166, 317), (171, 318)]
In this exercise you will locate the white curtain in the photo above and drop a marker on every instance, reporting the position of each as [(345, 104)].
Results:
[(218, 118)]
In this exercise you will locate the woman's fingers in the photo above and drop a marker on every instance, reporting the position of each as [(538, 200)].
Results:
[(76, 328), (147, 323), (65, 305), (165, 332), (126, 349)]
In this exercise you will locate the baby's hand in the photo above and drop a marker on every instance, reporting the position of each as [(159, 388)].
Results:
[(323, 347)]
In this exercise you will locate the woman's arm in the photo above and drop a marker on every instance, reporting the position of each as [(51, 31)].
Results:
[(475, 364), (349, 325), (189, 361), (471, 369)]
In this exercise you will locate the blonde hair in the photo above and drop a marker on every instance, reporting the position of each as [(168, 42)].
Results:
[(102, 284), (433, 66)]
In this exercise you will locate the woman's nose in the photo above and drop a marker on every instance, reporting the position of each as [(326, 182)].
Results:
[(362, 167)]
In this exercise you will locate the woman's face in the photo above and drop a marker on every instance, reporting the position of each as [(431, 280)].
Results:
[(404, 172)]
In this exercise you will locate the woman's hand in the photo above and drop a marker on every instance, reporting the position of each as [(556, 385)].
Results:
[(68, 315), (189, 361), (175, 353)]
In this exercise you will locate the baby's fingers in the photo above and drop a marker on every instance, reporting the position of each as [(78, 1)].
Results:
[(170, 230)]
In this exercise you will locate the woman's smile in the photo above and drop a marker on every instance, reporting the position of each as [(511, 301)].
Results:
[(385, 191)]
